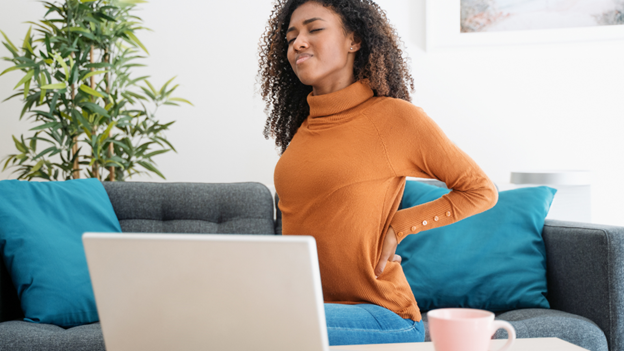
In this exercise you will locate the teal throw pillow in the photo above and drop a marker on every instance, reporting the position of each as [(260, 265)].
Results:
[(41, 227), (495, 260)]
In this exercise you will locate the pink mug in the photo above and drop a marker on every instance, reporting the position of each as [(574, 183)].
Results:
[(465, 329)]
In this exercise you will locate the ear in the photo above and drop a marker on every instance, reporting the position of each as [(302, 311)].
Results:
[(355, 42)]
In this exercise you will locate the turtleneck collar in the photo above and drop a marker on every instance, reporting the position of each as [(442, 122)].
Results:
[(341, 100)]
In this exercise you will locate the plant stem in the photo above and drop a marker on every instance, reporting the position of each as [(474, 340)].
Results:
[(95, 169), (111, 151), (76, 173)]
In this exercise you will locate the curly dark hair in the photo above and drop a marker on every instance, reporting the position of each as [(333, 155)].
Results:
[(379, 60)]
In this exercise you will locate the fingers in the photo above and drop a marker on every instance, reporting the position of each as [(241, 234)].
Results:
[(387, 252), (380, 266)]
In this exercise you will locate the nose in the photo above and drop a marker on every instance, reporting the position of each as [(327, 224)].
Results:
[(300, 43)]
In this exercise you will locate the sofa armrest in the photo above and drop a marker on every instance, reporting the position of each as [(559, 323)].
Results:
[(585, 272)]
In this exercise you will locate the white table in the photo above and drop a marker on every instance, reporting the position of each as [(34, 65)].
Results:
[(531, 344)]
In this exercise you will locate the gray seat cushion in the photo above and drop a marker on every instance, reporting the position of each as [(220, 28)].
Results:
[(529, 323), (548, 323), (19, 335)]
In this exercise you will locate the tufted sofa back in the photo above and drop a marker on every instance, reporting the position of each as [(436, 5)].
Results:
[(209, 208)]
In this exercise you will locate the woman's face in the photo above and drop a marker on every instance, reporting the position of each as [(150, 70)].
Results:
[(318, 51)]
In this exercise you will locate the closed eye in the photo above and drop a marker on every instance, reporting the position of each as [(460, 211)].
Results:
[(313, 30)]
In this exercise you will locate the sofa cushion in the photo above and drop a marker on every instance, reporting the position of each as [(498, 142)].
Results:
[(548, 323), (224, 208), (41, 226), (495, 260), (18, 336)]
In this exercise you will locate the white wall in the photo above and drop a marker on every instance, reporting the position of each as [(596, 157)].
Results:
[(555, 106)]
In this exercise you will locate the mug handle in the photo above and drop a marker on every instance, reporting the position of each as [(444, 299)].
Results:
[(511, 332)]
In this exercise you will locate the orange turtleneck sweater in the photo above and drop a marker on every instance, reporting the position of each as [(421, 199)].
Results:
[(341, 180)]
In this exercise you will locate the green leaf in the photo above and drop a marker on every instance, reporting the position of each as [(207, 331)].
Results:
[(162, 90), (87, 132), (11, 50), (166, 142), (54, 86), (157, 152), (79, 119), (45, 126), (12, 96), (135, 39), (27, 77), (26, 60), (83, 1), (26, 44), (91, 74), (90, 91), (44, 81), (98, 65), (20, 146), (45, 114), (150, 167), (107, 131), (37, 166), (48, 150), (8, 41), (60, 60), (26, 89), (133, 2), (117, 159), (10, 69), (180, 100), (132, 82), (151, 87), (43, 28), (122, 145), (76, 29), (71, 63), (133, 94), (100, 15), (148, 93), (95, 108), (9, 159), (171, 90), (110, 163), (33, 143)]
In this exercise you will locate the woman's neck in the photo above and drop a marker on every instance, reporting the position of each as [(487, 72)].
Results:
[(326, 88)]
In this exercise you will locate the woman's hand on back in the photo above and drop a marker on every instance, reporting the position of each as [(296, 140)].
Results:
[(388, 252)]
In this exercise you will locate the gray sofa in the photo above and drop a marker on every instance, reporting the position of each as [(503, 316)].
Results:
[(585, 265)]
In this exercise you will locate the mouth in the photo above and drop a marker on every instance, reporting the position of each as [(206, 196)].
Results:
[(303, 58)]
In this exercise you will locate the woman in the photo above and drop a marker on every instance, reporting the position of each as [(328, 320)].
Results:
[(335, 85)]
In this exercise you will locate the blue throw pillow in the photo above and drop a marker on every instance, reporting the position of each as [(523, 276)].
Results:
[(495, 260), (41, 227)]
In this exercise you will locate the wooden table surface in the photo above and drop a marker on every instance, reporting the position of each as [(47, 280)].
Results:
[(531, 344)]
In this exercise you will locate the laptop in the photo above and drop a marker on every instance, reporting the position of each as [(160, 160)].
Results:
[(207, 291)]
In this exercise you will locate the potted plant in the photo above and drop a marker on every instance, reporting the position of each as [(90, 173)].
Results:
[(93, 118)]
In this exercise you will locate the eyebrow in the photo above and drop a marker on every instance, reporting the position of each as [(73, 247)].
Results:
[(304, 23)]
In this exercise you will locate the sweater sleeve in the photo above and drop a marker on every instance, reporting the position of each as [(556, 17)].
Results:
[(417, 147)]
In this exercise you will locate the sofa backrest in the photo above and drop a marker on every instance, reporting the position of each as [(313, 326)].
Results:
[(209, 208)]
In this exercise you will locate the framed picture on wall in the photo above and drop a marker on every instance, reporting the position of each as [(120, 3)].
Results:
[(457, 23)]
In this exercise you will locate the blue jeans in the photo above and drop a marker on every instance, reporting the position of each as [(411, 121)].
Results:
[(369, 324)]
